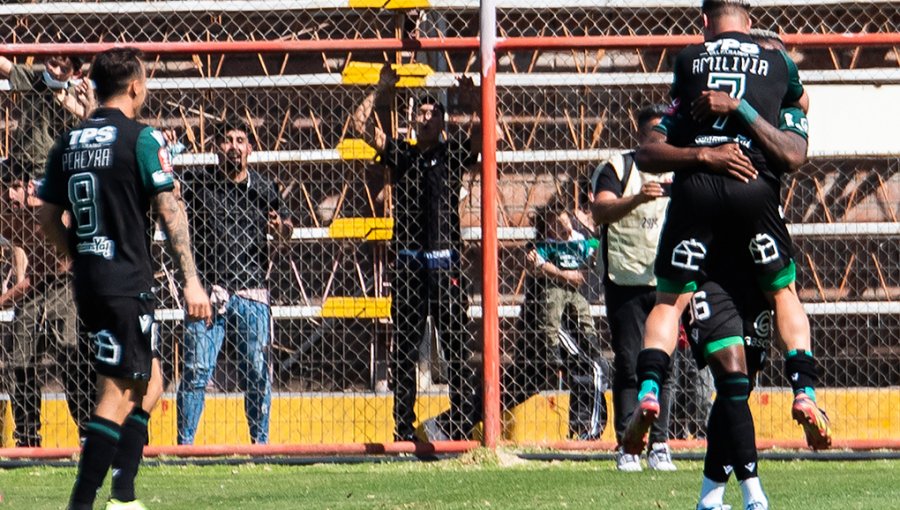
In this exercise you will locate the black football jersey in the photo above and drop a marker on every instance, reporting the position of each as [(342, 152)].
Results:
[(105, 173), (733, 63)]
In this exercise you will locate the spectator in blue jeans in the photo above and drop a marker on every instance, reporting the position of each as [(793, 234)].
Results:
[(232, 210)]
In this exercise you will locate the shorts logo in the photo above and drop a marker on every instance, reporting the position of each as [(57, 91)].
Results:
[(762, 325), (688, 253), (146, 321), (763, 249), (109, 351)]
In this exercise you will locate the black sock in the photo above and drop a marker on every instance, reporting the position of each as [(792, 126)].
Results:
[(801, 370), (652, 371), (732, 392), (129, 453), (26, 407), (100, 442), (717, 462)]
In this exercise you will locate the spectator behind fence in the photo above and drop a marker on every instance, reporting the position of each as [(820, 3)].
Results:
[(631, 205), (427, 278), (232, 210), (559, 329), (45, 320), (52, 99)]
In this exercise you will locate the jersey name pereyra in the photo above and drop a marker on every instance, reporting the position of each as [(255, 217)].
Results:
[(89, 148), (730, 56)]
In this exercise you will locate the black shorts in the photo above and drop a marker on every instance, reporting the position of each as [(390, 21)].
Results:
[(711, 214), (718, 320), (123, 333)]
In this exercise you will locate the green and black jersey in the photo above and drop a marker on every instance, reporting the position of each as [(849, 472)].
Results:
[(767, 79), (105, 173)]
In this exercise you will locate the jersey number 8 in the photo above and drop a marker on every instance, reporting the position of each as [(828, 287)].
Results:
[(83, 196)]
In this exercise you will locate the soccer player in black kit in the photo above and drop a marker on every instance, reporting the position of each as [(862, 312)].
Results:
[(725, 185), (427, 278), (107, 174), (729, 306)]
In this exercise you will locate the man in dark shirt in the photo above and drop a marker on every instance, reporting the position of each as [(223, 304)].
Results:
[(107, 174), (705, 205), (232, 209), (427, 278)]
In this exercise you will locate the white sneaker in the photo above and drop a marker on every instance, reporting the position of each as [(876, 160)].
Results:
[(659, 458), (115, 504), (627, 462), (758, 505), (717, 507)]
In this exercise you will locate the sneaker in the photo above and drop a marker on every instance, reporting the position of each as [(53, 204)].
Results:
[(115, 504), (814, 421), (757, 505), (639, 424), (717, 507), (432, 431), (627, 462), (659, 458)]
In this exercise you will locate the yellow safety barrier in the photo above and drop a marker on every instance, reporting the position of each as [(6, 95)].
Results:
[(340, 418), (367, 73)]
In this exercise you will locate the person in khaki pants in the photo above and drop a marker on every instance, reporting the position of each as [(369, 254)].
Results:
[(631, 206)]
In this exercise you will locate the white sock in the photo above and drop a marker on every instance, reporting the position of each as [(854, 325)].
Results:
[(711, 493), (753, 492)]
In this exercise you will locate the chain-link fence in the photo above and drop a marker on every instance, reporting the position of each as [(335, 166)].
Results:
[(375, 291)]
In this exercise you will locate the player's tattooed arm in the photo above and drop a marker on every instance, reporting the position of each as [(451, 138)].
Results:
[(787, 149), (175, 224)]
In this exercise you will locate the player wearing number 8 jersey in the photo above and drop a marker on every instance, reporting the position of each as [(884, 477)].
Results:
[(727, 183), (107, 173)]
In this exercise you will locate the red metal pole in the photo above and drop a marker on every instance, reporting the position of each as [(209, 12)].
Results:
[(490, 285)]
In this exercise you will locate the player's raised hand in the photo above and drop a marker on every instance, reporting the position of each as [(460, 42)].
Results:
[(729, 159), (713, 103)]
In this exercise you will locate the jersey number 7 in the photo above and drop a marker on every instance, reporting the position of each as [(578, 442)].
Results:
[(736, 85)]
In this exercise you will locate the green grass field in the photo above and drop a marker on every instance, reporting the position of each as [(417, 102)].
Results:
[(470, 482)]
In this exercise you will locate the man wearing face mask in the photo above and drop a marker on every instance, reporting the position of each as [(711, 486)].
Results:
[(50, 100), (232, 210), (427, 279)]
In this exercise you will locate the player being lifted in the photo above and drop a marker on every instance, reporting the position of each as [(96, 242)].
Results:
[(107, 174), (725, 185)]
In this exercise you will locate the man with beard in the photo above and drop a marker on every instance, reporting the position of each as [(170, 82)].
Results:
[(232, 210)]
